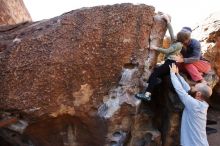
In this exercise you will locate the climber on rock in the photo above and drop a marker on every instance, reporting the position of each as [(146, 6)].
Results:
[(191, 60), (170, 56), (193, 124)]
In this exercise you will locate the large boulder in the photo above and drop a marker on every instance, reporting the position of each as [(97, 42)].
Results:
[(205, 33), (13, 12), (71, 80)]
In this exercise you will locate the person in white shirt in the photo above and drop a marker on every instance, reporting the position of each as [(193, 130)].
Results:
[(193, 124)]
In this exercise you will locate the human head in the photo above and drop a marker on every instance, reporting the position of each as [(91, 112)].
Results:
[(184, 35), (217, 40), (201, 91)]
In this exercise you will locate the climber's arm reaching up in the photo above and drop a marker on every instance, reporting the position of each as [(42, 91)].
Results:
[(175, 47), (170, 29), (167, 18)]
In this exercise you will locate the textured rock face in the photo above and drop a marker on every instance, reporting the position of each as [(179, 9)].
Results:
[(73, 78), (206, 34), (13, 12)]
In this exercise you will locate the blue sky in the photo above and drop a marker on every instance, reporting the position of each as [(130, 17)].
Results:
[(183, 12)]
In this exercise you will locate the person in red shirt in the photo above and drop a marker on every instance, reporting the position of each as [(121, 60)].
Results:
[(191, 60)]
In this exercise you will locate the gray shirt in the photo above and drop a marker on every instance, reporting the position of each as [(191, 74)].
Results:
[(193, 125), (174, 49)]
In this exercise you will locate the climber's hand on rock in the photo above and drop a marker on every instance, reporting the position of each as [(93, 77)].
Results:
[(179, 59), (167, 18), (154, 47), (174, 68)]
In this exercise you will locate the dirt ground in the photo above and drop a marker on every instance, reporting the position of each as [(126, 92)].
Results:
[(214, 139)]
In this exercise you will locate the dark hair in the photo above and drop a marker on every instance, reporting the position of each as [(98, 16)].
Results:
[(182, 36)]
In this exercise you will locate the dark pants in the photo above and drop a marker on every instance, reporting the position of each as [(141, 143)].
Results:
[(159, 72)]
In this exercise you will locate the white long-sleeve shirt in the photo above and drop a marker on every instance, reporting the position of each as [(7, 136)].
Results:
[(193, 125)]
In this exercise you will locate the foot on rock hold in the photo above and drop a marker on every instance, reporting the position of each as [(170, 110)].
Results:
[(144, 97)]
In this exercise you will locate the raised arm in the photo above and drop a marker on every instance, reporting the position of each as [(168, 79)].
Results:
[(170, 29), (187, 100), (167, 18), (183, 82)]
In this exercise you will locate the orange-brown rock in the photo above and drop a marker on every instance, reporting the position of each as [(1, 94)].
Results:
[(166, 44), (13, 12), (206, 33), (72, 78)]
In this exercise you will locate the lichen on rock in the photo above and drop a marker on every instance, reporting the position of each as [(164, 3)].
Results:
[(60, 71), (72, 79)]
